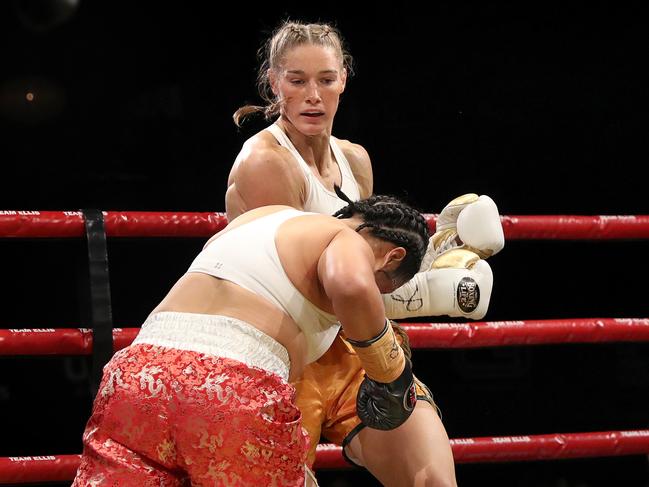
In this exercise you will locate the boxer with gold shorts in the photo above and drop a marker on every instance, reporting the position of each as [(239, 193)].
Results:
[(297, 161)]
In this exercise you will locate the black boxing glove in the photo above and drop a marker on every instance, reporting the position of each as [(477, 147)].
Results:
[(387, 396), (386, 406)]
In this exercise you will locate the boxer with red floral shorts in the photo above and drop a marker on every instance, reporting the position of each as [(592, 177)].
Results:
[(164, 415), (202, 396)]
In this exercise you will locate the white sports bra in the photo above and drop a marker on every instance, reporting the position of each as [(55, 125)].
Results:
[(320, 199), (237, 256)]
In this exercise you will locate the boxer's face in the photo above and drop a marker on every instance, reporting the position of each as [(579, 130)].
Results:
[(310, 81)]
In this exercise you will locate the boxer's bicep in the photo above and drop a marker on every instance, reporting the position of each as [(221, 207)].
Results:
[(347, 278)]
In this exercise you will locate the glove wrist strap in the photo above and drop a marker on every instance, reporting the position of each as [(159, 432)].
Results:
[(381, 356)]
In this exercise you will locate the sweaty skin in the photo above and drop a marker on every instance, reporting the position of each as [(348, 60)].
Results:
[(330, 264)]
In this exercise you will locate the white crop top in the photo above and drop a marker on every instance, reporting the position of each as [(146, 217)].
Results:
[(247, 256), (320, 199)]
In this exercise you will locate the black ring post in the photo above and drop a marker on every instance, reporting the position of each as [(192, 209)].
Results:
[(101, 316)]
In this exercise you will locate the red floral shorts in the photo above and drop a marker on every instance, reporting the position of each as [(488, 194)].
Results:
[(169, 417)]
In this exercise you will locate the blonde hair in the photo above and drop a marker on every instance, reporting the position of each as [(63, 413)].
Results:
[(287, 36)]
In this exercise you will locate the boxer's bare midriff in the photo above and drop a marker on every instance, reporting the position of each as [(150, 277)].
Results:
[(204, 294)]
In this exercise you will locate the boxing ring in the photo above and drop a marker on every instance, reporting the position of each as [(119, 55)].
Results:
[(96, 227)]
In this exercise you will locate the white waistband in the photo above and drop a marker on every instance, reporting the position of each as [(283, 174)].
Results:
[(217, 335)]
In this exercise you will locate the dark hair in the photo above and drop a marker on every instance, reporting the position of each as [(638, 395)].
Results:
[(394, 221), (288, 35)]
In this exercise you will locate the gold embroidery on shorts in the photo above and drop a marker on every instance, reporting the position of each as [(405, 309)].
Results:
[(212, 442), (166, 451), (250, 451)]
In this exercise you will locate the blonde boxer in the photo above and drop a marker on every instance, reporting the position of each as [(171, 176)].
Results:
[(297, 161)]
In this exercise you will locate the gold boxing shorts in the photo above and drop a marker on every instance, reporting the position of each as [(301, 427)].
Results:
[(326, 394)]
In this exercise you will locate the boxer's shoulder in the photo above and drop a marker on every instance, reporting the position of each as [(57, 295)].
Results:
[(360, 165)]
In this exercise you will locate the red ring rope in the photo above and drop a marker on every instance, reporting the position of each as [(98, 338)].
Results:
[(35, 224), (66, 224), (529, 332), (52, 468), (78, 341)]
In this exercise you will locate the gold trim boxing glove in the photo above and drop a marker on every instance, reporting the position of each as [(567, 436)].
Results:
[(458, 284)]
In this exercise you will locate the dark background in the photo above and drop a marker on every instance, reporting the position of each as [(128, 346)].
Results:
[(543, 106)]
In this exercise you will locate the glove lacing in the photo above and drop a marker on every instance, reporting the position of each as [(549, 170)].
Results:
[(448, 243)]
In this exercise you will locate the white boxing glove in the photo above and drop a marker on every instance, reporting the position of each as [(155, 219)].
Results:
[(447, 219), (458, 284), (479, 227), (469, 221)]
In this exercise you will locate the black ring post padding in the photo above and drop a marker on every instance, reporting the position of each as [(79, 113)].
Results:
[(101, 315)]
